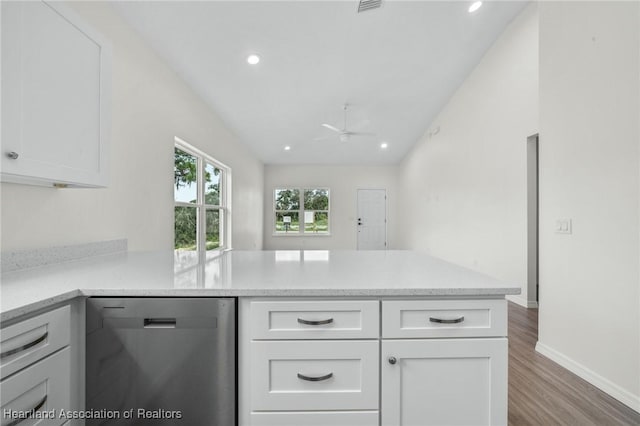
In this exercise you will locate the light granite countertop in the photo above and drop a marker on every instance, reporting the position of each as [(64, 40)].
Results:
[(244, 273)]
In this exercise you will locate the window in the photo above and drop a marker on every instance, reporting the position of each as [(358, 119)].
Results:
[(308, 214), (201, 211)]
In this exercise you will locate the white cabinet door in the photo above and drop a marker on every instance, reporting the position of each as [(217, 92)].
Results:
[(444, 382), (55, 97)]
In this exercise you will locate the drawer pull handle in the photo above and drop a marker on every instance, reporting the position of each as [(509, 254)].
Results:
[(314, 379), (446, 321), (320, 322), (160, 323), (31, 412), (24, 347)]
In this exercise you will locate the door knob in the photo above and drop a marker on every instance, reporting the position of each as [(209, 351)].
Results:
[(13, 155), (392, 360)]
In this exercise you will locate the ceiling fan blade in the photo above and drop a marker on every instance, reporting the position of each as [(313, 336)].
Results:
[(330, 127), (361, 134)]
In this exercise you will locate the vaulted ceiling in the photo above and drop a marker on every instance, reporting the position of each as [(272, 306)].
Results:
[(395, 67)]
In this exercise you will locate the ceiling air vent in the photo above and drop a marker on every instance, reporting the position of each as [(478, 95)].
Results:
[(365, 5)]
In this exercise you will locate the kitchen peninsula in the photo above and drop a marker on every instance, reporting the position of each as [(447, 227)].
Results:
[(324, 337)]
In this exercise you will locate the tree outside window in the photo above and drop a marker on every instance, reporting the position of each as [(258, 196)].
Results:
[(287, 209)]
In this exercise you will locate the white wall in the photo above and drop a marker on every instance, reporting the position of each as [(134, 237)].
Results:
[(589, 172), (151, 105), (463, 189), (343, 182)]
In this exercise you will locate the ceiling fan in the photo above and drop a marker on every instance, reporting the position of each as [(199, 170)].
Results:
[(343, 133)]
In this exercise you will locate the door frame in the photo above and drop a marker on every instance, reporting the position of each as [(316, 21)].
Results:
[(533, 221)]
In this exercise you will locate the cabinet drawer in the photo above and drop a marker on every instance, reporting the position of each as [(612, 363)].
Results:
[(314, 375), (31, 340), (44, 386), (315, 319), (444, 318), (315, 418)]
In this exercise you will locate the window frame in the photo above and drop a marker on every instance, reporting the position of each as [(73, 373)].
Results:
[(301, 211), (224, 202)]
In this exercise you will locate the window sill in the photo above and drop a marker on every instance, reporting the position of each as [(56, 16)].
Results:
[(297, 234)]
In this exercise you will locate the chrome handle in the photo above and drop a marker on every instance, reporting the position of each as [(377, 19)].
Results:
[(159, 323), (25, 347), (447, 321), (314, 379), (30, 413), (13, 155), (320, 322), (392, 360)]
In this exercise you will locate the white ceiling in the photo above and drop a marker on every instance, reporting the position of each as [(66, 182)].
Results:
[(395, 66)]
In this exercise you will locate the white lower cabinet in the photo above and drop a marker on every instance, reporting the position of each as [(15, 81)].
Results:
[(309, 362), (444, 382), (40, 368), (38, 393), (433, 362)]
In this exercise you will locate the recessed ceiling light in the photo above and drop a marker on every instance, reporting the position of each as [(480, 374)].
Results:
[(253, 59), (287, 148), (384, 145), (475, 6)]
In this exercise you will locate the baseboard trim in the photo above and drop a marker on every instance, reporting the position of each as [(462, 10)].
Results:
[(522, 302), (610, 388)]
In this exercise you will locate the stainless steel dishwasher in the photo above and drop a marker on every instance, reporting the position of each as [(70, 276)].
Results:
[(161, 361)]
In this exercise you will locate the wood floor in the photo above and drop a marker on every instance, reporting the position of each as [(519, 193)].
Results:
[(543, 393)]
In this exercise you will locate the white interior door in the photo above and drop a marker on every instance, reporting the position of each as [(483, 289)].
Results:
[(372, 219)]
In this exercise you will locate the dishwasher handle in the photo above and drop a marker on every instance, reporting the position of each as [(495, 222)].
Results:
[(159, 323)]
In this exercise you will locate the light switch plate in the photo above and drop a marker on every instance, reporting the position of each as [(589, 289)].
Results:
[(563, 226)]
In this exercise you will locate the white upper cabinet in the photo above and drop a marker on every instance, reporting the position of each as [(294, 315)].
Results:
[(56, 76)]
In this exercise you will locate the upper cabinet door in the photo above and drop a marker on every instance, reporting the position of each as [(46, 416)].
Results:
[(56, 76)]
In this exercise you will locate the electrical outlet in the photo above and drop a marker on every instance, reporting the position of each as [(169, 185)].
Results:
[(563, 226)]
